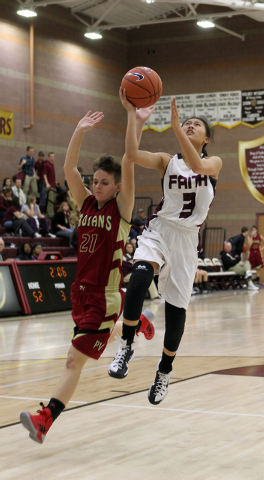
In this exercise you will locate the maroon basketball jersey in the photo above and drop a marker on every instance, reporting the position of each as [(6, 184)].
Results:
[(102, 235)]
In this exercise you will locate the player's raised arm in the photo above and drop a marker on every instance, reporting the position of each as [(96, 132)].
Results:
[(126, 196), (192, 138), (140, 157), (76, 186)]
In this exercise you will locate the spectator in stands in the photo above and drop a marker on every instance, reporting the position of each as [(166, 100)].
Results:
[(85, 179), (74, 211), (5, 201), (3, 255), (74, 238), (36, 250), (25, 252), (234, 264), (27, 165), (255, 257), (238, 241), (61, 222), (39, 167), (200, 282), (136, 228), (19, 224), (35, 218), (141, 217), (18, 192), (7, 183), (50, 183)]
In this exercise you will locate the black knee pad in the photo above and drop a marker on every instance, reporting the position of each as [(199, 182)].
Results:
[(174, 323), (139, 282)]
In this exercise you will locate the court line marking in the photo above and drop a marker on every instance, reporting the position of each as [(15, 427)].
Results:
[(60, 374), (181, 410), (38, 399), (35, 350)]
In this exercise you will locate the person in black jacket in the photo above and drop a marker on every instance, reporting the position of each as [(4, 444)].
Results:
[(61, 222), (234, 264), (238, 241)]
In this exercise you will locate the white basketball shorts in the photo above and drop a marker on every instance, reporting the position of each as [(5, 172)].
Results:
[(174, 248)]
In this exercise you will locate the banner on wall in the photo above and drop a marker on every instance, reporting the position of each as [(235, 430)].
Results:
[(6, 124), (227, 109), (253, 108), (251, 162)]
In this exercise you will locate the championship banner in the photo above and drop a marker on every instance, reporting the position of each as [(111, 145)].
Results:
[(252, 108), (6, 124), (185, 106), (251, 162), (160, 119), (229, 109), (205, 105)]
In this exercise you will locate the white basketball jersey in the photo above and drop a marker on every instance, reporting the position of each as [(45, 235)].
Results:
[(187, 196)]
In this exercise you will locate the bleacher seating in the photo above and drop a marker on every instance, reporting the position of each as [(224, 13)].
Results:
[(219, 279)]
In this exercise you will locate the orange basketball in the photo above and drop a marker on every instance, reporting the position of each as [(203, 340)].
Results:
[(245, 248), (143, 86)]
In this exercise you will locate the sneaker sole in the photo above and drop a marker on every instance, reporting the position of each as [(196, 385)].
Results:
[(153, 402), (27, 423), (116, 375)]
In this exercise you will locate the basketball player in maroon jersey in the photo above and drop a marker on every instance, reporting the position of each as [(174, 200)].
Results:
[(97, 298), (255, 257)]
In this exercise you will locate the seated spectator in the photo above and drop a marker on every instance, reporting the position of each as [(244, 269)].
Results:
[(136, 228), (140, 216), (200, 282), (36, 250), (18, 224), (238, 241), (35, 218), (25, 252), (234, 264), (7, 182), (61, 222), (5, 201), (74, 211), (18, 192), (3, 255), (74, 238)]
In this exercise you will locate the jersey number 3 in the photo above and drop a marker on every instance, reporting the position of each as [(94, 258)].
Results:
[(89, 242), (188, 204)]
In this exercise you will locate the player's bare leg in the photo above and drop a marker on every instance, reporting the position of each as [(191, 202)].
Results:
[(39, 425)]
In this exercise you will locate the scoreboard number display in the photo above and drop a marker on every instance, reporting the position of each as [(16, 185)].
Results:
[(47, 285)]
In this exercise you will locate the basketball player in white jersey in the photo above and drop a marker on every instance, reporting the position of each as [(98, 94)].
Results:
[(168, 244)]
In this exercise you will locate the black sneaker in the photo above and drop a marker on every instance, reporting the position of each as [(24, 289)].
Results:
[(159, 388), (119, 366)]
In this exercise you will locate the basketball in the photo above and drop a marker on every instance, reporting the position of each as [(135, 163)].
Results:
[(143, 86), (245, 248)]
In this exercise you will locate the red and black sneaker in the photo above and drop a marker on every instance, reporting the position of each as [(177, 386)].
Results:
[(146, 326), (37, 425)]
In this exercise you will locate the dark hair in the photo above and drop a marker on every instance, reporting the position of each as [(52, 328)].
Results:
[(41, 154), (109, 165), (254, 226), (28, 148), (129, 243), (4, 181), (208, 130), (244, 229), (15, 202), (7, 190), (35, 245), (22, 247), (50, 153)]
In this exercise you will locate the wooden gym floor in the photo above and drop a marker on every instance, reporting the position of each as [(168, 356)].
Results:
[(210, 426)]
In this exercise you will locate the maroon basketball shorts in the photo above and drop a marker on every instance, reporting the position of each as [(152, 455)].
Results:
[(95, 311), (255, 259)]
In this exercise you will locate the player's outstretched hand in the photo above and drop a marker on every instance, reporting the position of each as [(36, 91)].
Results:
[(175, 121), (126, 104), (90, 120), (143, 114)]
